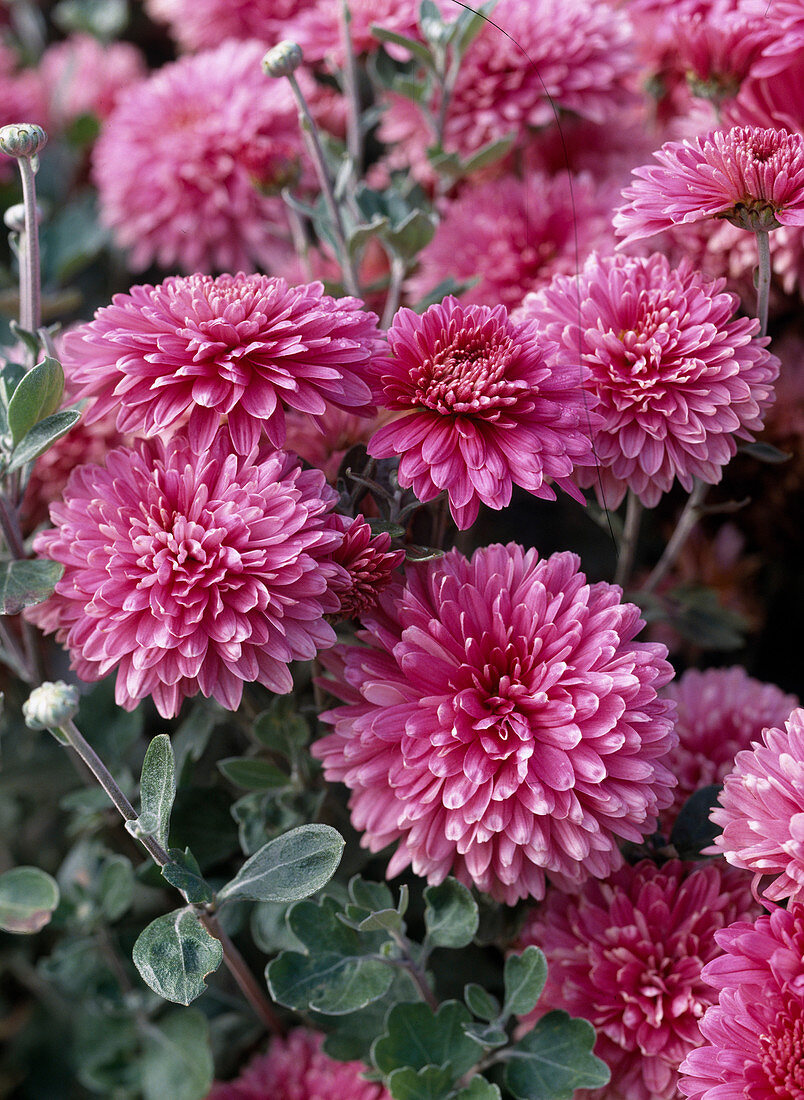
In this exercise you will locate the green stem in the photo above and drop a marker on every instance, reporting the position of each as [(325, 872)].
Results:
[(627, 553), (398, 272), (687, 521), (763, 279), (30, 287), (354, 134), (310, 132)]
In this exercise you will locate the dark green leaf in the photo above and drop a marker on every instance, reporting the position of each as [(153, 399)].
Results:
[(370, 895), (417, 1037), (116, 887), (430, 1083), (253, 775), (489, 154), (41, 436), (525, 976), (693, 831), (765, 452), (291, 866), (479, 1089), (418, 49), (326, 982), (481, 1003), (411, 236), (270, 930), (362, 234), (389, 920), (183, 873), (36, 397), (554, 1060), (28, 897), (13, 373), (488, 1035), (25, 583), (174, 954), (451, 915), (158, 788), (281, 729), (177, 1060)]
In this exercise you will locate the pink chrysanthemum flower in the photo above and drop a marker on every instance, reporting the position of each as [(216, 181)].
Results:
[(190, 164), (484, 409), (296, 1068), (674, 374), (761, 810), (204, 24), (627, 955), (243, 347), (191, 573), (501, 723), (788, 43), (318, 29), (719, 48), (752, 177), (754, 1035), (514, 81), (512, 235), (369, 563), (84, 76), (719, 713)]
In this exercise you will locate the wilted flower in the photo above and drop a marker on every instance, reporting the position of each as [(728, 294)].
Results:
[(761, 810), (674, 374), (240, 347), (627, 955), (718, 713), (191, 573), (296, 1068), (754, 1035), (753, 177), (500, 723), (190, 164), (369, 564), (484, 409)]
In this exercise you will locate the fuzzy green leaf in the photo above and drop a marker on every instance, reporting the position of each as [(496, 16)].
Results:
[(158, 787), (290, 867), (480, 1002), (174, 954), (451, 915), (417, 1037), (25, 583), (28, 897), (326, 982), (253, 775), (525, 976), (555, 1059), (41, 436), (36, 397), (479, 1089), (177, 1060), (429, 1083)]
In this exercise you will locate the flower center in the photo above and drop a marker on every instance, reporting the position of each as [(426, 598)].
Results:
[(466, 373), (781, 1055)]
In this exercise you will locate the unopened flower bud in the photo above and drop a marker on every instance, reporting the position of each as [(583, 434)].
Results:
[(282, 59), (50, 706), (22, 139)]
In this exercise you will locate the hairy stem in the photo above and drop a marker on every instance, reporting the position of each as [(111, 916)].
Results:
[(242, 974), (689, 517), (30, 288), (763, 279), (627, 552)]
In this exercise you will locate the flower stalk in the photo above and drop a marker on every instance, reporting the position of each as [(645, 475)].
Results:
[(763, 279)]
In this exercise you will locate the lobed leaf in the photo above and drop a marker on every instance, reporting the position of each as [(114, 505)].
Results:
[(554, 1060)]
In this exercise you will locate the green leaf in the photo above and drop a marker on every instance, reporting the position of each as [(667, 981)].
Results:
[(488, 1035), (24, 583), (429, 1083), (116, 887), (411, 235), (451, 915), (281, 729), (525, 976), (362, 234), (489, 154), (36, 397), (370, 895), (554, 1060), (326, 982), (417, 1037), (481, 1003), (174, 954), (693, 831), (292, 866), (183, 872), (28, 897), (253, 775), (469, 24), (479, 1089), (105, 19), (41, 436), (158, 788), (764, 452), (412, 45), (177, 1059)]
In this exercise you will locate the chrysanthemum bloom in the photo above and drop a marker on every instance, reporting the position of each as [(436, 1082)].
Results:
[(752, 177), (318, 29), (484, 409), (761, 810), (719, 713), (191, 162), (191, 573), (84, 76), (243, 347), (204, 24), (754, 1035), (627, 955), (369, 563), (296, 1068), (719, 48), (788, 43), (673, 373), (507, 80), (501, 723), (512, 235)]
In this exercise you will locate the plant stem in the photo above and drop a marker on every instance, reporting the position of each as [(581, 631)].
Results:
[(763, 279), (354, 135), (627, 554), (235, 963), (398, 270), (310, 132), (30, 289), (689, 517)]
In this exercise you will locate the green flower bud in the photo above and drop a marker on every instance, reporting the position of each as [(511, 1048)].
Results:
[(282, 59), (50, 706), (22, 139)]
